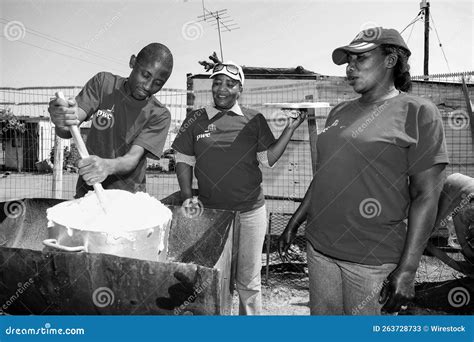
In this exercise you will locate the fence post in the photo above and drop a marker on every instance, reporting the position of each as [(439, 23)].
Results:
[(41, 156), (313, 133), (465, 91), (58, 168), (17, 153), (190, 97)]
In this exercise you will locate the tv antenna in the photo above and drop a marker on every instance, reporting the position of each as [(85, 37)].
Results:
[(220, 20)]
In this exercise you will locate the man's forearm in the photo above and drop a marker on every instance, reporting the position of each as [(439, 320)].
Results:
[(121, 165), (184, 172), (125, 164)]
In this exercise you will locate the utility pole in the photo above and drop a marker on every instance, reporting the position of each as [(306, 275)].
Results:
[(219, 30), (425, 7)]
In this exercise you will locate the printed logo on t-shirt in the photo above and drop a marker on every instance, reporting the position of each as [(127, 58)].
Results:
[(203, 135), (207, 133), (104, 118), (334, 124)]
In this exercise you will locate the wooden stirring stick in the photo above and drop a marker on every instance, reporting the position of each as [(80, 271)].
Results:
[(81, 147)]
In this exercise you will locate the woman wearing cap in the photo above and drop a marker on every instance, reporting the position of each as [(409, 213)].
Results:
[(224, 144), (373, 200)]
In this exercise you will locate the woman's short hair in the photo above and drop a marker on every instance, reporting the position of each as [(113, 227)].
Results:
[(401, 71)]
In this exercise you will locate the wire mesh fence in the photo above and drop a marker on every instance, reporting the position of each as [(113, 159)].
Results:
[(291, 269), (25, 157), (445, 90)]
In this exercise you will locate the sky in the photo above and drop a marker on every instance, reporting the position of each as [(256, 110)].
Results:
[(66, 42)]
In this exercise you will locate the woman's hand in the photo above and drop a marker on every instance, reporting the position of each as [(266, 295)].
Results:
[(299, 216), (398, 290), (286, 238), (293, 123)]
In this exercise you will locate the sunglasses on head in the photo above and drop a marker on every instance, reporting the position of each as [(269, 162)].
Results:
[(234, 70)]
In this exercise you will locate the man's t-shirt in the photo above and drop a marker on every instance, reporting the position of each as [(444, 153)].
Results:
[(360, 194), (118, 122), (225, 148)]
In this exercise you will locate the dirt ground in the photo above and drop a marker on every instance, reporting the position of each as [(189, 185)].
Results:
[(281, 300)]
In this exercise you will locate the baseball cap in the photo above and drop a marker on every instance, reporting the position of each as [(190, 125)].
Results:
[(230, 69), (367, 40)]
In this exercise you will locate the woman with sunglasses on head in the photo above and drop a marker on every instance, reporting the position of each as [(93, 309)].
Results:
[(224, 144), (372, 203)]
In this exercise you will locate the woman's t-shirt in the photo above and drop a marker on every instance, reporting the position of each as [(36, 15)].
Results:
[(225, 147), (360, 194)]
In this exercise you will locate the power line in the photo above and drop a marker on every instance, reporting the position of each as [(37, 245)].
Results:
[(418, 17), (65, 43), (412, 27), (439, 42), (63, 54)]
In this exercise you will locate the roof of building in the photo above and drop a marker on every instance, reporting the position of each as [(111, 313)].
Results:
[(263, 72), (299, 70)]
